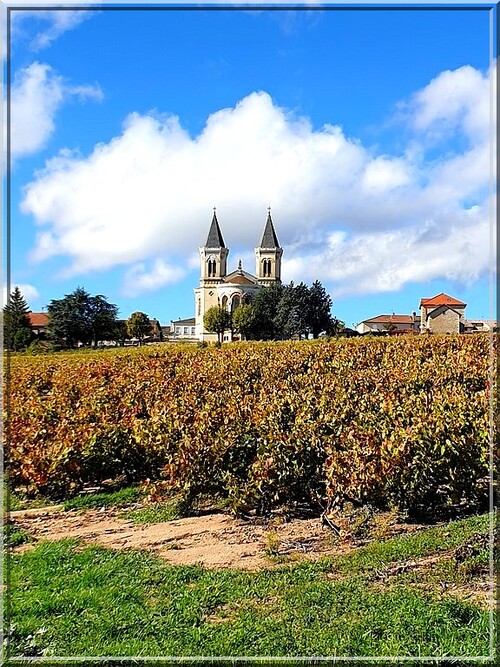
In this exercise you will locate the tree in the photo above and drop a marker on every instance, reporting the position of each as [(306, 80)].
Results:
[(120, 332), (138, 326), (293, 311), (244, 320), (217, 320), (82, 317), (336, 327), (17, 330), (319, 317), (265, 307), (102, 318)]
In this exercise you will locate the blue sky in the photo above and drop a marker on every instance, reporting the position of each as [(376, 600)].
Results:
[(367, 131)]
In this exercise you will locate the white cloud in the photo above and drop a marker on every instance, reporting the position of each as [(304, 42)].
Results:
[(150, 190), (139, 280), (53, 23), (453, 247), (454, 101), (36, 96), (29, 292)]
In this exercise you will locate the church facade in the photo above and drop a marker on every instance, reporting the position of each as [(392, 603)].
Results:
[(229, 290)]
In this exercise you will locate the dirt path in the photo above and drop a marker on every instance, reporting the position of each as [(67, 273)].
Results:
[(213, 540), (221, 541)]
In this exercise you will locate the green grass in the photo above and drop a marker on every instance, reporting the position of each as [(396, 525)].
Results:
[(155, 513), (70, 600), (175, 507), (120, 498), (13, 536)]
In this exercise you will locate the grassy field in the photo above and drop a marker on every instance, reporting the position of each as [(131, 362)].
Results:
[(396, 597)]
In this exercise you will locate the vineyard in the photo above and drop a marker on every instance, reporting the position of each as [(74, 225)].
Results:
[(401, 422)]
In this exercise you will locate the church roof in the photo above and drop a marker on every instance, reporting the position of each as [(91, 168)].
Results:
[(239, 279), (214, 238), (269, 238)]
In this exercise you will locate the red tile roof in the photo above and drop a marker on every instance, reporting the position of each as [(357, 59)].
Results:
[(441, 300), (38, 319), (391, 319)]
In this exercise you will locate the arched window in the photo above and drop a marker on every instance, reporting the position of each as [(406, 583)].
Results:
[(224, 302), (264, 268), (247, 299), (211, 268), (236, 300), (269, 267)]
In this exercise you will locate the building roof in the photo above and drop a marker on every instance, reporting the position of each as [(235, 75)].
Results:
[(38, 319), (190, 321), (441, 300), (214, 238), (392, 319), (239, 279), (269, 238)]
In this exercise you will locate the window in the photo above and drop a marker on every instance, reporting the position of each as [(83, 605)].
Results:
[(193, 330), (177, 330), (186, 330), (235, 302), (199, 307), (211, 268)]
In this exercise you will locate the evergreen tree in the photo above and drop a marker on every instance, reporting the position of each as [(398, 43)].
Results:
[(17, 330), (138, 326), (265, 305), (81, 317), (120, 332), (319, 317), (102, 318)]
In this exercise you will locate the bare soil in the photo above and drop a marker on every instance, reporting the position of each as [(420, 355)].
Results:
[(213, 540), (218, 540)]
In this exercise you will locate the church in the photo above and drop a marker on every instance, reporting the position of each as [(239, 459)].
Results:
[(229, 290)]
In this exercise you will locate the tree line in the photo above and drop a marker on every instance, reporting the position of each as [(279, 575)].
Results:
[(78, 318), (278, 312)]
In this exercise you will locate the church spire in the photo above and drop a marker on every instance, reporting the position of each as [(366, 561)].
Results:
[(214, 238), (269, 238), (268, 255)]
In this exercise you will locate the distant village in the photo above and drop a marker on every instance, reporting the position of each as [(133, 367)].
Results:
[(440, 314)]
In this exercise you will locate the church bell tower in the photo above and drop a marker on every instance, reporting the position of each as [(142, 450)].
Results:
[(213, 255), (213, 266), (268, 255)]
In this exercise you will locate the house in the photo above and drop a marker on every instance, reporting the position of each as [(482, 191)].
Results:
[(442, 314), (406, 323), (38, 323), (229, 290), (183, 329)]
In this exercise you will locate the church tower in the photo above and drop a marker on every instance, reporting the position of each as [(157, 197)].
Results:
[(213, 255), (213, 265), (268, 255)]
